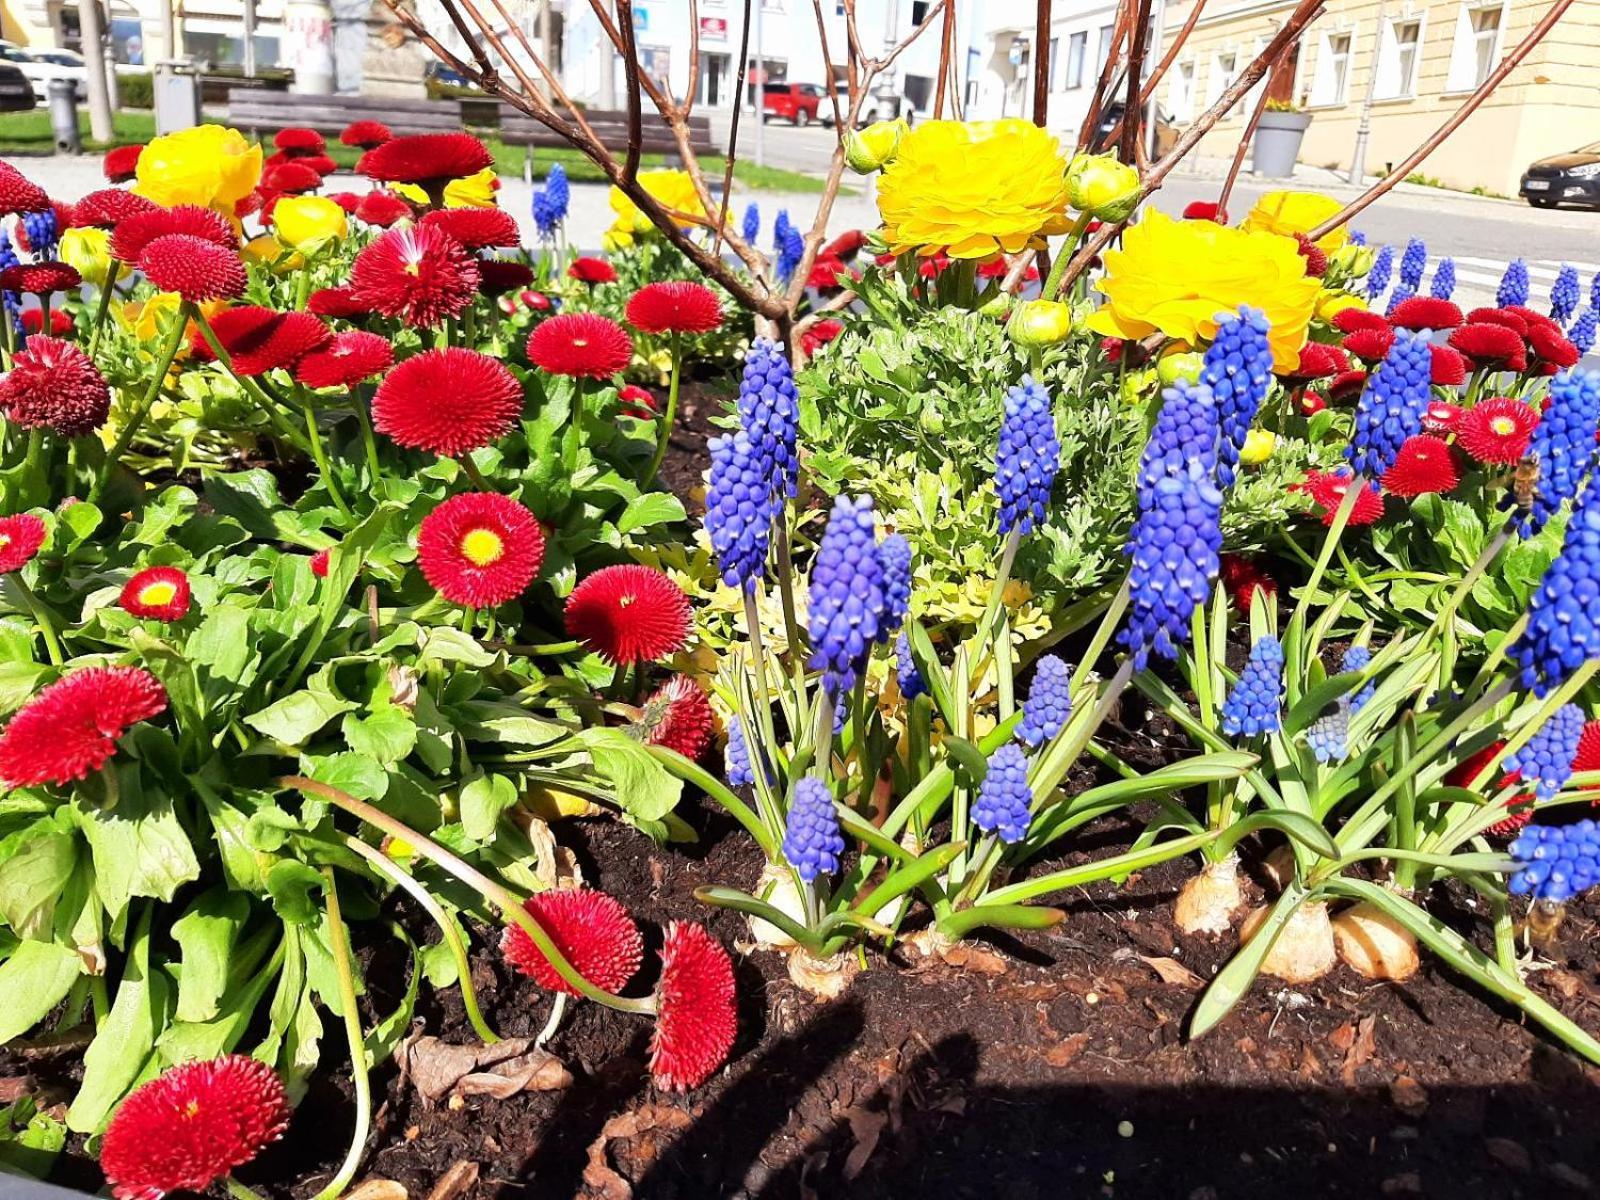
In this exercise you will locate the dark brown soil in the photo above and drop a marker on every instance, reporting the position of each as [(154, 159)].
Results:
[(684, 468)]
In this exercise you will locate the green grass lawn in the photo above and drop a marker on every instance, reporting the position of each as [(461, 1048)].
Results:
[(30, 133)]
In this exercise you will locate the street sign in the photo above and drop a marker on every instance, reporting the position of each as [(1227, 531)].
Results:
[(714, 28)]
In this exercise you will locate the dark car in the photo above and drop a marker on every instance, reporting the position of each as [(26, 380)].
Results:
[(1564, 178), (1111, 119), (16, 93)]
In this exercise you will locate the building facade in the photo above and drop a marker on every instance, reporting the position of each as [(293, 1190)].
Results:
[(1418, 59)]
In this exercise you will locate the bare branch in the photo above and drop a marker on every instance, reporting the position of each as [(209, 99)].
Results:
[(1102, 87), (621, 42), (1041, 64), (1132, 109), (558, 92), (947, 41), (827, 62), (1172, 52), (686, 107), (1239, 150), (632, 73), (733, 130)]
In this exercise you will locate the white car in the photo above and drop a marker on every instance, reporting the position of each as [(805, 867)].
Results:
[(878, 106), (41, 66)]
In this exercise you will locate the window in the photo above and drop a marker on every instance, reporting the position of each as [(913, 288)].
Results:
[(919, 12), (1077, 50), (1332, 78), (1180, 92), (1224, 65), (1055, 64), (1398, 55), (1477, 46), (1105, 48)]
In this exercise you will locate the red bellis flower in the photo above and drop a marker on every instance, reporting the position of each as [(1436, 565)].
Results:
[(365, 134), (592, 270), (1243, 578), (449, 401), (108, 208), (54, 385), (593, 932), (1328, 488), (137, 230), (40, 279), (497, 276), (121, 164), (198, 270), (1425, 312), (674, 307), (1497, 430), (19, 194), (60, 322), (583, 345), (382, 208), (298, 141), (258, 340), (477, 228), (628, 614), (1424, 464), (157, 593), (349, 358), (20, 539), (678, 716), (71, 728), (428, 159), (480, 549), (419, 273), (696, 1019)]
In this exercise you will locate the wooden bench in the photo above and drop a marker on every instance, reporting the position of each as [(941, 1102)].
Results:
[(611, 127), (263, 112)]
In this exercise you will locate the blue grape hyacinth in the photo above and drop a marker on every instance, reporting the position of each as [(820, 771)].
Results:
[(1413, 263), (1546, 758), (1403, 291), (1028, 457), (1358, 658), (736, 758), (812, 842), (9, 258), (788, 244), (1563, 444), (1186, 433), (1392, 405), (1561, 634), (911, 682), (1565, 293), (1255, 705), (1328, 737), (847, 601), (752, 222), (1514, 284), (895, 552), (1238, 369), (1357, 238), (1049, 702), (44, 232), (1379, 274), (1444, 280), (1594, 291), (550, 203), (1556, 862), (769, 411), (1004, 798), (740, 509), (1582, 333)]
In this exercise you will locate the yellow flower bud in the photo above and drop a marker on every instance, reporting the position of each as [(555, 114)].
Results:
[(1101, 186), (1179, 365), (1330, 304), (874, 147), (1041, 323), (475, 191), (997, 305), (1351, 261), (1258, 447), (308, 223), (87, 251), (1137, 386)]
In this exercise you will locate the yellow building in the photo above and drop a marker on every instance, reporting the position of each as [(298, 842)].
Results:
[(1420, 58)]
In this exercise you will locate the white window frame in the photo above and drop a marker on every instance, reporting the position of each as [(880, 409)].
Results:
[(1463, 72), (1180, 89), (1102, 49), (1077, 43), (1218, 76), (1325, 93), (1055, 64), (1389, 85)]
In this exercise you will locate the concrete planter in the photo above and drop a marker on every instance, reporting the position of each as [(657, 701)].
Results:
[(1277, 143)]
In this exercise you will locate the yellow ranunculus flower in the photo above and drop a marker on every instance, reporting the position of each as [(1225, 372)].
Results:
[(308, 223), (474, 191), (87, 251), (145, 318), (1258, 447), (267, 251), (1290, 213), (973, 188), (1101, 186), (208, 165), (1174, 277), (1041, 323), (674, 190)]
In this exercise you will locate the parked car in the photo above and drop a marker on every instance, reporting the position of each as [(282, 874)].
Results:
[(1111, 117), (41, 66), (1564, 178), (879, 106), (797, 102), (16, 92)]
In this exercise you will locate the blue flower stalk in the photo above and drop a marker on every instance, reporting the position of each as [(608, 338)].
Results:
[(1027, 457), (1514, 285), (1556, 862), (1328, 737), (788, 244), (1381, 271), (1238, 369), (1563, 445), (736, 758), (1444, 280), (1594, 291), (847, 595), (812, 841), (1403, 291), (895, 554), (1357, 238), (1561, 633), (1004, 805), (910, 679), (1255, 705), (1049, 703), (1565, 293), (769, 411), (1392, 405), (1413, 263), (1545, 760), (752, 223), (740, 510), (1582, 333), (1359, 658), (550, 203)]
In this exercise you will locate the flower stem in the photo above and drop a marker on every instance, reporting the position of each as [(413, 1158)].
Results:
[(41, 618), (107, 290), (474, 474), (319, 454), (670, 417), (169, 351), (368, 440), (269, 402), (238, 1190), (344, 969)]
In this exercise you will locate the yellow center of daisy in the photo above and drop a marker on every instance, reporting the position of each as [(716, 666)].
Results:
[(1503, 425), (624, 600), (153, 594), (580, 342), (481, 547), (192, 1109), (5, 540)]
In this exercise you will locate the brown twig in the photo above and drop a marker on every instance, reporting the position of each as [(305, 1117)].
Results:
[(1173, 50), (1041, 63), (630, 56), (1132, 108), (686, 106), (733, 130), (947, 41), (1108, 68), (1467, 108), (1239, 150), (827, 63)]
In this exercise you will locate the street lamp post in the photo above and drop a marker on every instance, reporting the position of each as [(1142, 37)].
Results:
[(1358, 159)]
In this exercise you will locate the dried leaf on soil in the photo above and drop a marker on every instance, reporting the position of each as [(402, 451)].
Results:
[(649, 1128), (439, 1069), (1066, 1050), (1172, 971), (866, 1127), (1362, 1048), (458, 1179), (974, 958), (377, 1189)]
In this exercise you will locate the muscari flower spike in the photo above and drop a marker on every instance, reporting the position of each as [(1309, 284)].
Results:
[(1412, 264), (1004, 797), (788, 244), (1357, 238), (736, 758), (1563, 444), (1582, 333), (1403, 291), (1028, 457), (769, 411), (1556, 862), (1444, 280), (1561, 634), (1565, 294), (1238, 370), (1049, 702), (912, 684), (9, 258), (1328, 737), (1546, 758), (43, 233), (1358, 658), (895, 553), (812, 842), (1378, 275), (1392, 405), (740, 508), (847, 601), (752, 222), (1255, 705), (1514, 285)]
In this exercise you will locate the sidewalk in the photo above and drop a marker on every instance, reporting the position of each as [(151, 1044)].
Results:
[(1319, 179)]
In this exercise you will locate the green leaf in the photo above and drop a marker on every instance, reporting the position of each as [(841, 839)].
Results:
[(30, 1140), (652, 508), (1318, 697), (967, 755), (292, 885), (1298, 826), (206, 934), (35, 865), (482, 801), (299, 715), (1000, 916), (446, 644), (727, 897), (491, 721), (18, 682), (360, 775), (223, 643), (252, 499), (121, 1050), (388, 735), (36, 978), (643, 788), (140, 848)]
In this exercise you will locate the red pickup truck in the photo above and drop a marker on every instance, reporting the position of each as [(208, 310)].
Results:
[(797, 102)]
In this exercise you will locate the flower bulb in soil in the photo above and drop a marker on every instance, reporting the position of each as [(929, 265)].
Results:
[(1304, 950), (1278, 867), (824, 978), (1374, 944), (777, 887), (1209, 901)]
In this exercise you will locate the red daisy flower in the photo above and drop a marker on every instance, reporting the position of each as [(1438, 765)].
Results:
[(999, 267), (71, 728), (826, 274), (299, 141), (320, 163), (1531, 317), (40, 279), (430, 159), (1346, 387), (1497, 430), (592, 930), (121, 163), (1311, 403), (629, 614), (1441, 417), (160, 593), (108, 208), (1449, 367), (1588, 756), (885, 260), (1424, 464), (1491, 344), (259, 340), (196, 269), (1327, 489), (382, 208), (365, 134), (497, 276), (480, 549), (477, 228), (20, 539), (1371, 344), (1519, 808), (1203, 210), (1243, 578), (848, 244), (345, 361), (592, 270), (54, 385), (1353, 320), (417, 273), (696, 1019), (448, 401), (319, 562), (819, 335), (674, 307), (934, 265), (348, 201), (1318, 361), (253, 202), (19, 194), (637, 402), (337, 302), (191, 1125), (580, 344), (1425, 312), (1553, 348), (292, 177), (1316, 257), (1519, 811), (136, 231), (537, 301), (1498, 316), (33, 322), (678, 716)]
